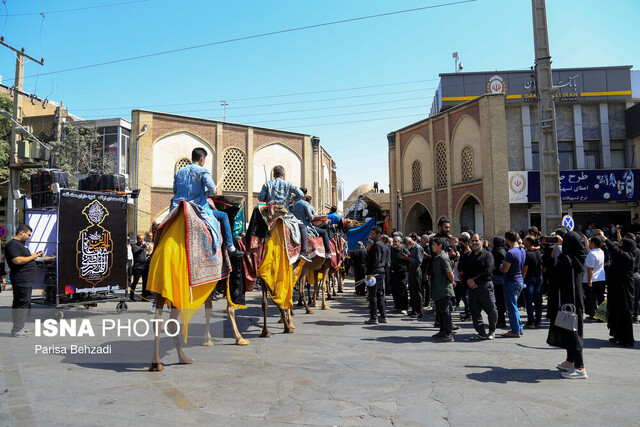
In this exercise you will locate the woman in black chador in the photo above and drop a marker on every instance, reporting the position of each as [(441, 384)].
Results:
[(620, 291), (567, 281)]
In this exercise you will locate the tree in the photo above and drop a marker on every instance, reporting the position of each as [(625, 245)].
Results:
[(81, 152), (5, 138)]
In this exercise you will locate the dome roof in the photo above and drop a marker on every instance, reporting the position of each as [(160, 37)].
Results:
[(362, 189)]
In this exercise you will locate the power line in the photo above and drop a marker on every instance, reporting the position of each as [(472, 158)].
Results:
[(295, 102), (259, 97), (237, 39), (356, 121), (78, 8)]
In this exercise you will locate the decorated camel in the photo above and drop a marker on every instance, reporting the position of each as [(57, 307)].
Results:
[(183, 273)]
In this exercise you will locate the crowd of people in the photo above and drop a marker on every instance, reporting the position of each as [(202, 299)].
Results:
[(441, 271)]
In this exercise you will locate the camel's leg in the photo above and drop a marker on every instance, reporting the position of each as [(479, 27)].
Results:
[(236, 333), (156, 366), (265, 306), (208, 308), (301, 293), (171, 328), (329, 281), (324, 306), (303, 284), (340, 282), (336, 282), (288, 325)]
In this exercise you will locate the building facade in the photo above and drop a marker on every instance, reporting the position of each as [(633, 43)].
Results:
[(161, 143), (475, 160)]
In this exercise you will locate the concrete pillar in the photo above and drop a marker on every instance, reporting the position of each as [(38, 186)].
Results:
[(249, 150), (526, 138), (142, 158), (604, 136), (449, 144), (577, 130), (315, 173), (479, 219)]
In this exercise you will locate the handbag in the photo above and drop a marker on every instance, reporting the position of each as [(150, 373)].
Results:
[(567, 317)]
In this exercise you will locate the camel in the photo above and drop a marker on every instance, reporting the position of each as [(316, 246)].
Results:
[(169, 281)]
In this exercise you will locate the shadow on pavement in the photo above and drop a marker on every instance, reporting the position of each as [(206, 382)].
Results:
[(500, 375)]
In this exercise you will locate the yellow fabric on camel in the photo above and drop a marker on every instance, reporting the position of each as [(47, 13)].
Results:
[(169, 273), (275, 270)]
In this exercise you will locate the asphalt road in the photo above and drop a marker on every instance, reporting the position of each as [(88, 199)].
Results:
[(333, 370)]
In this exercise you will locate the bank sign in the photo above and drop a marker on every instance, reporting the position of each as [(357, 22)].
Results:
[(579, 186)]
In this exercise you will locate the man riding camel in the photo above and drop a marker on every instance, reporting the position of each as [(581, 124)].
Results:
[(280, 192), (193, 184), (305, 213)]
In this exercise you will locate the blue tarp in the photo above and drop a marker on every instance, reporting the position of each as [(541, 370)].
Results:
[(360, 234)]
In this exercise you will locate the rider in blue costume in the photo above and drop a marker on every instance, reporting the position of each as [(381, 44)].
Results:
[(193, 184)]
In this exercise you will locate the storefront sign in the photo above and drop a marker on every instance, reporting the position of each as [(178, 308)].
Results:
[(591, 186), (92, 248), (518, 187)]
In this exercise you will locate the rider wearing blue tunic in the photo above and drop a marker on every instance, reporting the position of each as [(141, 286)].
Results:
[(193, 184)]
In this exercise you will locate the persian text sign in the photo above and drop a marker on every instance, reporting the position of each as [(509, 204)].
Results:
[(92, 252), (518, 187), (591, 185)]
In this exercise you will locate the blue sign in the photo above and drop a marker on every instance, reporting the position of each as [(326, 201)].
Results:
[(592, 185), (567, 222)]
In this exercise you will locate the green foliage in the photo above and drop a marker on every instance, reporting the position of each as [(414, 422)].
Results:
[(81, 153), (5, 138)]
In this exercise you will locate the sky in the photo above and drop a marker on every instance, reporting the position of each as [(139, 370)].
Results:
[(349, 83)]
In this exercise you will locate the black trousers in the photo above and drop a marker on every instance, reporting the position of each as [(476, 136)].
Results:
[(591, 296), (387, 280), (599, 289), (20, 306), (138, 272), (426, 292), (415, 289), (483, 298), (145, 276), (575, 356), (376, 298), (636, 299), (399, 281), (443, 314)]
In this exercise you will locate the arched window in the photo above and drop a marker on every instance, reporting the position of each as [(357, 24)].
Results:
[(466, 161), (182, 163), (235, 164), (441, 165), (416, 175)]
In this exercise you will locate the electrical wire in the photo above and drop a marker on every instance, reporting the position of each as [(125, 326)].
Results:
[(255, 36), (79, 8), (356, 121), (291, 103), (260, 97)]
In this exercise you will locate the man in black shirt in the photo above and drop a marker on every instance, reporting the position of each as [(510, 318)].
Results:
[(375, 269), (359, 261), (23, 273), (416, 253), (476, 271), (399, 276), (532, 275), (139, 263)]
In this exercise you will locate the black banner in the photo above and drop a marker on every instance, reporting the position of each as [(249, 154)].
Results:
[(92, 239)]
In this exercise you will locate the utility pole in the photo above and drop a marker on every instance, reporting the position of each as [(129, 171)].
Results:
[(14, 166), (550, 195)]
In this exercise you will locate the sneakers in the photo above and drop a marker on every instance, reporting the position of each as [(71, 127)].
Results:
[(491, 337), (510, 334), (438, 335), (445, 338), (371, 322), (383, 320), (19, 334), (575, 374), (565, 367), (455, 327), (305, 256), (403, 312)]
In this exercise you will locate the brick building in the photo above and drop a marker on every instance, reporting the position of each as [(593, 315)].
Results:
[(475, 160), (248, 153)]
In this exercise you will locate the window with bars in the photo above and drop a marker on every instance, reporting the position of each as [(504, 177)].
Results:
[(466, 160), (416, 176), (441, 165), (235, 164), (182, 163)]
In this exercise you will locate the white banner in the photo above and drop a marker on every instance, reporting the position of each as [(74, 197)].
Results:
[(518, 187)]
